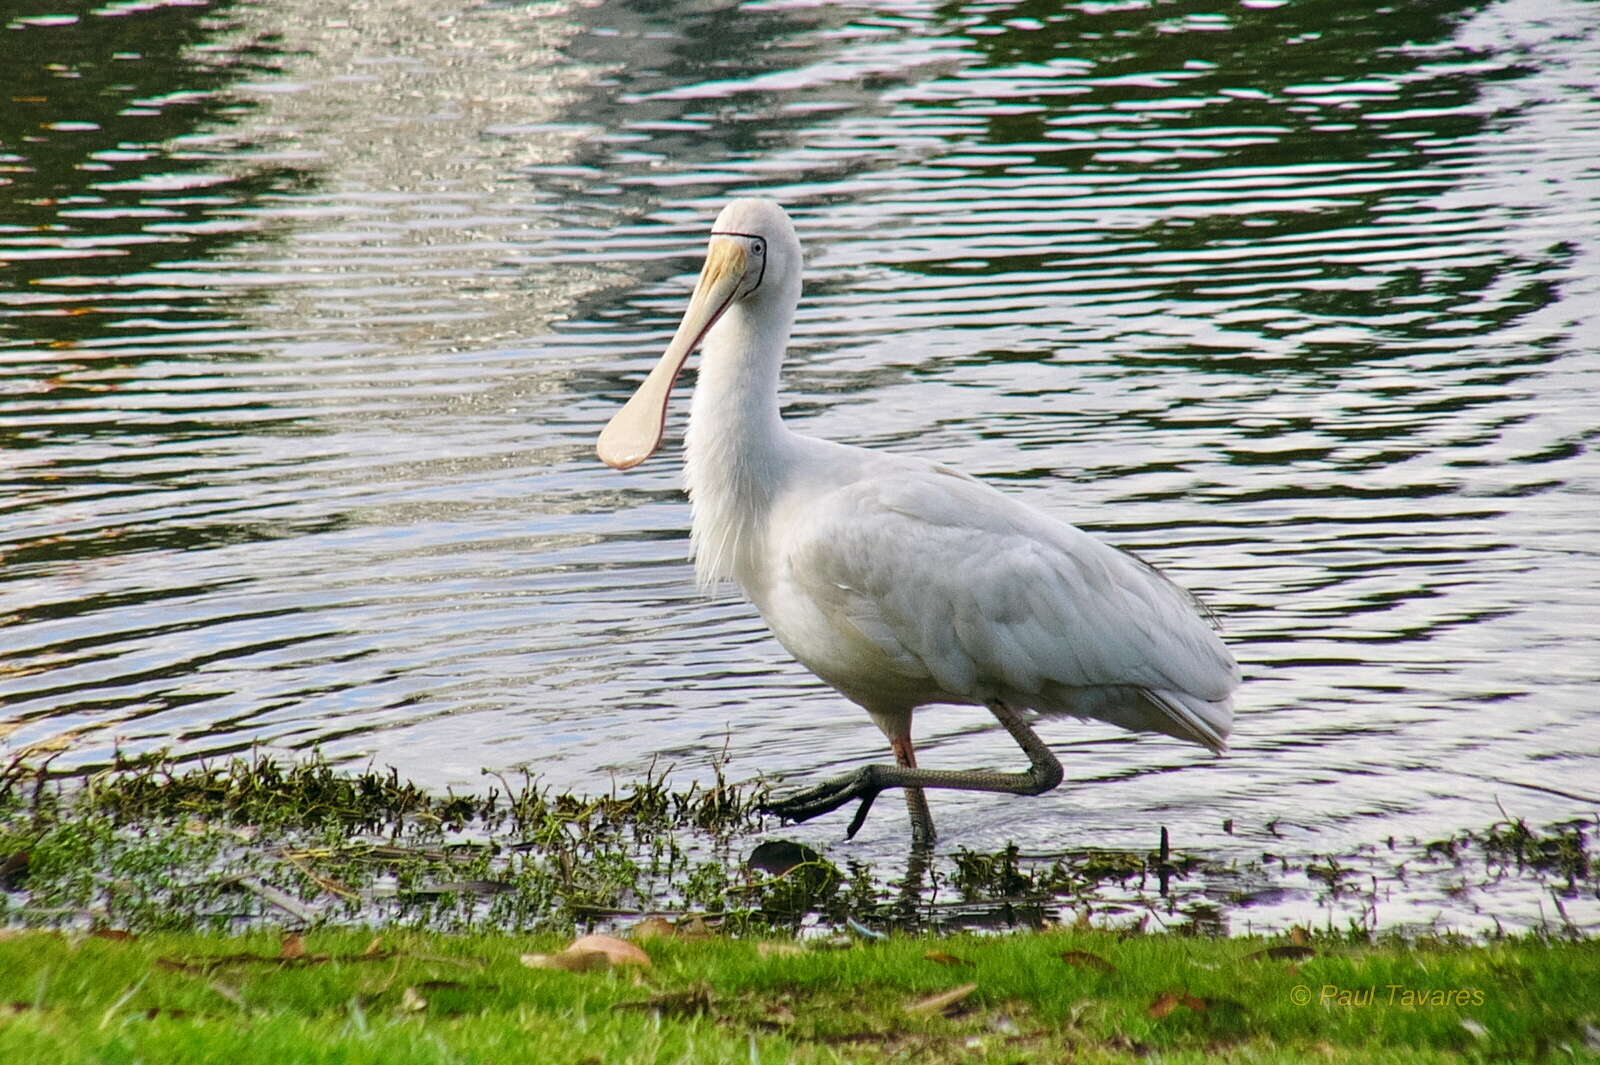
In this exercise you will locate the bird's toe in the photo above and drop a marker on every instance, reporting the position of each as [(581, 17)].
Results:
[(825, 797)]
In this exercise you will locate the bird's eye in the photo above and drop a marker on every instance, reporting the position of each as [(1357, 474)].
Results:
[(758, 246)]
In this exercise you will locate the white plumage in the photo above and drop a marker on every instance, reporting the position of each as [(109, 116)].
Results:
[(898, 581)]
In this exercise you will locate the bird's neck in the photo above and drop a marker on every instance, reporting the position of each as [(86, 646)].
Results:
[(736, 440)]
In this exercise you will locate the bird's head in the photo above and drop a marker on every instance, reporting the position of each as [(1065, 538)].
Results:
[(753, 259)]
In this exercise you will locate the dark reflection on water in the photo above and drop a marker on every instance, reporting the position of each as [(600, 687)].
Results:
[(101, 187), (311, 313)]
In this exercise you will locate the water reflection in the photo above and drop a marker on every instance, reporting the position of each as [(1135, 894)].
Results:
[(313, 312), (101, 187)]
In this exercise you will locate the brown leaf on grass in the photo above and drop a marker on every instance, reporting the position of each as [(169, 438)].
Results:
[(590, 952), (374, 948), (1164, 1004), (616, 951), (941, 958), (1283, 953), (1299, 936), (1168, 1001), (652, 928), (294, 946), (1082, 959), (942, 1001)]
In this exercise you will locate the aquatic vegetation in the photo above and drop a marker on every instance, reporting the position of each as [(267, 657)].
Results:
[(149, 845)]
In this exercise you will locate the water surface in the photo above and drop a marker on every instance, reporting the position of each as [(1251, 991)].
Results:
[(311, 312)]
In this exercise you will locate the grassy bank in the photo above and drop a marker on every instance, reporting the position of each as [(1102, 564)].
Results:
[(1067, 995), (260, 911)]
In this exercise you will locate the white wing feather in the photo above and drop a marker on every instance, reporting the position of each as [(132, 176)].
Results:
[(970, 595)]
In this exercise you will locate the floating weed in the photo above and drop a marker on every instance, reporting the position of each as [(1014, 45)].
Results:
[(148, 845), (1560, 850), (144, 844)]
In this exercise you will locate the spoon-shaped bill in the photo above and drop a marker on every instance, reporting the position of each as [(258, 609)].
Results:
[(634, 432)]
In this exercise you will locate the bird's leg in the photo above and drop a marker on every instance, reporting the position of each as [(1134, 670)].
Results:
[(1043, 773), (905, 756)]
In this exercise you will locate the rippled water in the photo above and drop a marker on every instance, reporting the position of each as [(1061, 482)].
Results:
[(311, 312)]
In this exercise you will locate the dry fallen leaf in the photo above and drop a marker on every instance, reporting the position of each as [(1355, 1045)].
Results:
[(942, 958), (1168, 1001), (294, 946), (1299, 936), (373, 948), (942, 1001), (1164, 1004), (1084, 960), (590, 952), (617, 951)]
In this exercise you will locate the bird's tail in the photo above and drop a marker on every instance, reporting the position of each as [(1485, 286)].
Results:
[(1188, 717), (1172, 713)]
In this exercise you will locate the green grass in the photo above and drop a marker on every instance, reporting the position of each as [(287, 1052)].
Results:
[(435, 998), (461, 886)]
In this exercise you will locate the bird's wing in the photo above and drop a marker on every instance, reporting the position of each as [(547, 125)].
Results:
[(985, 594)]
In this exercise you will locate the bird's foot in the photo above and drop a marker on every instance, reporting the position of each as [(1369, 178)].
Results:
[(863, 784)]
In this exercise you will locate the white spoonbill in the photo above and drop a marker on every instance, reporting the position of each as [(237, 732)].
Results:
[(899, 581)]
